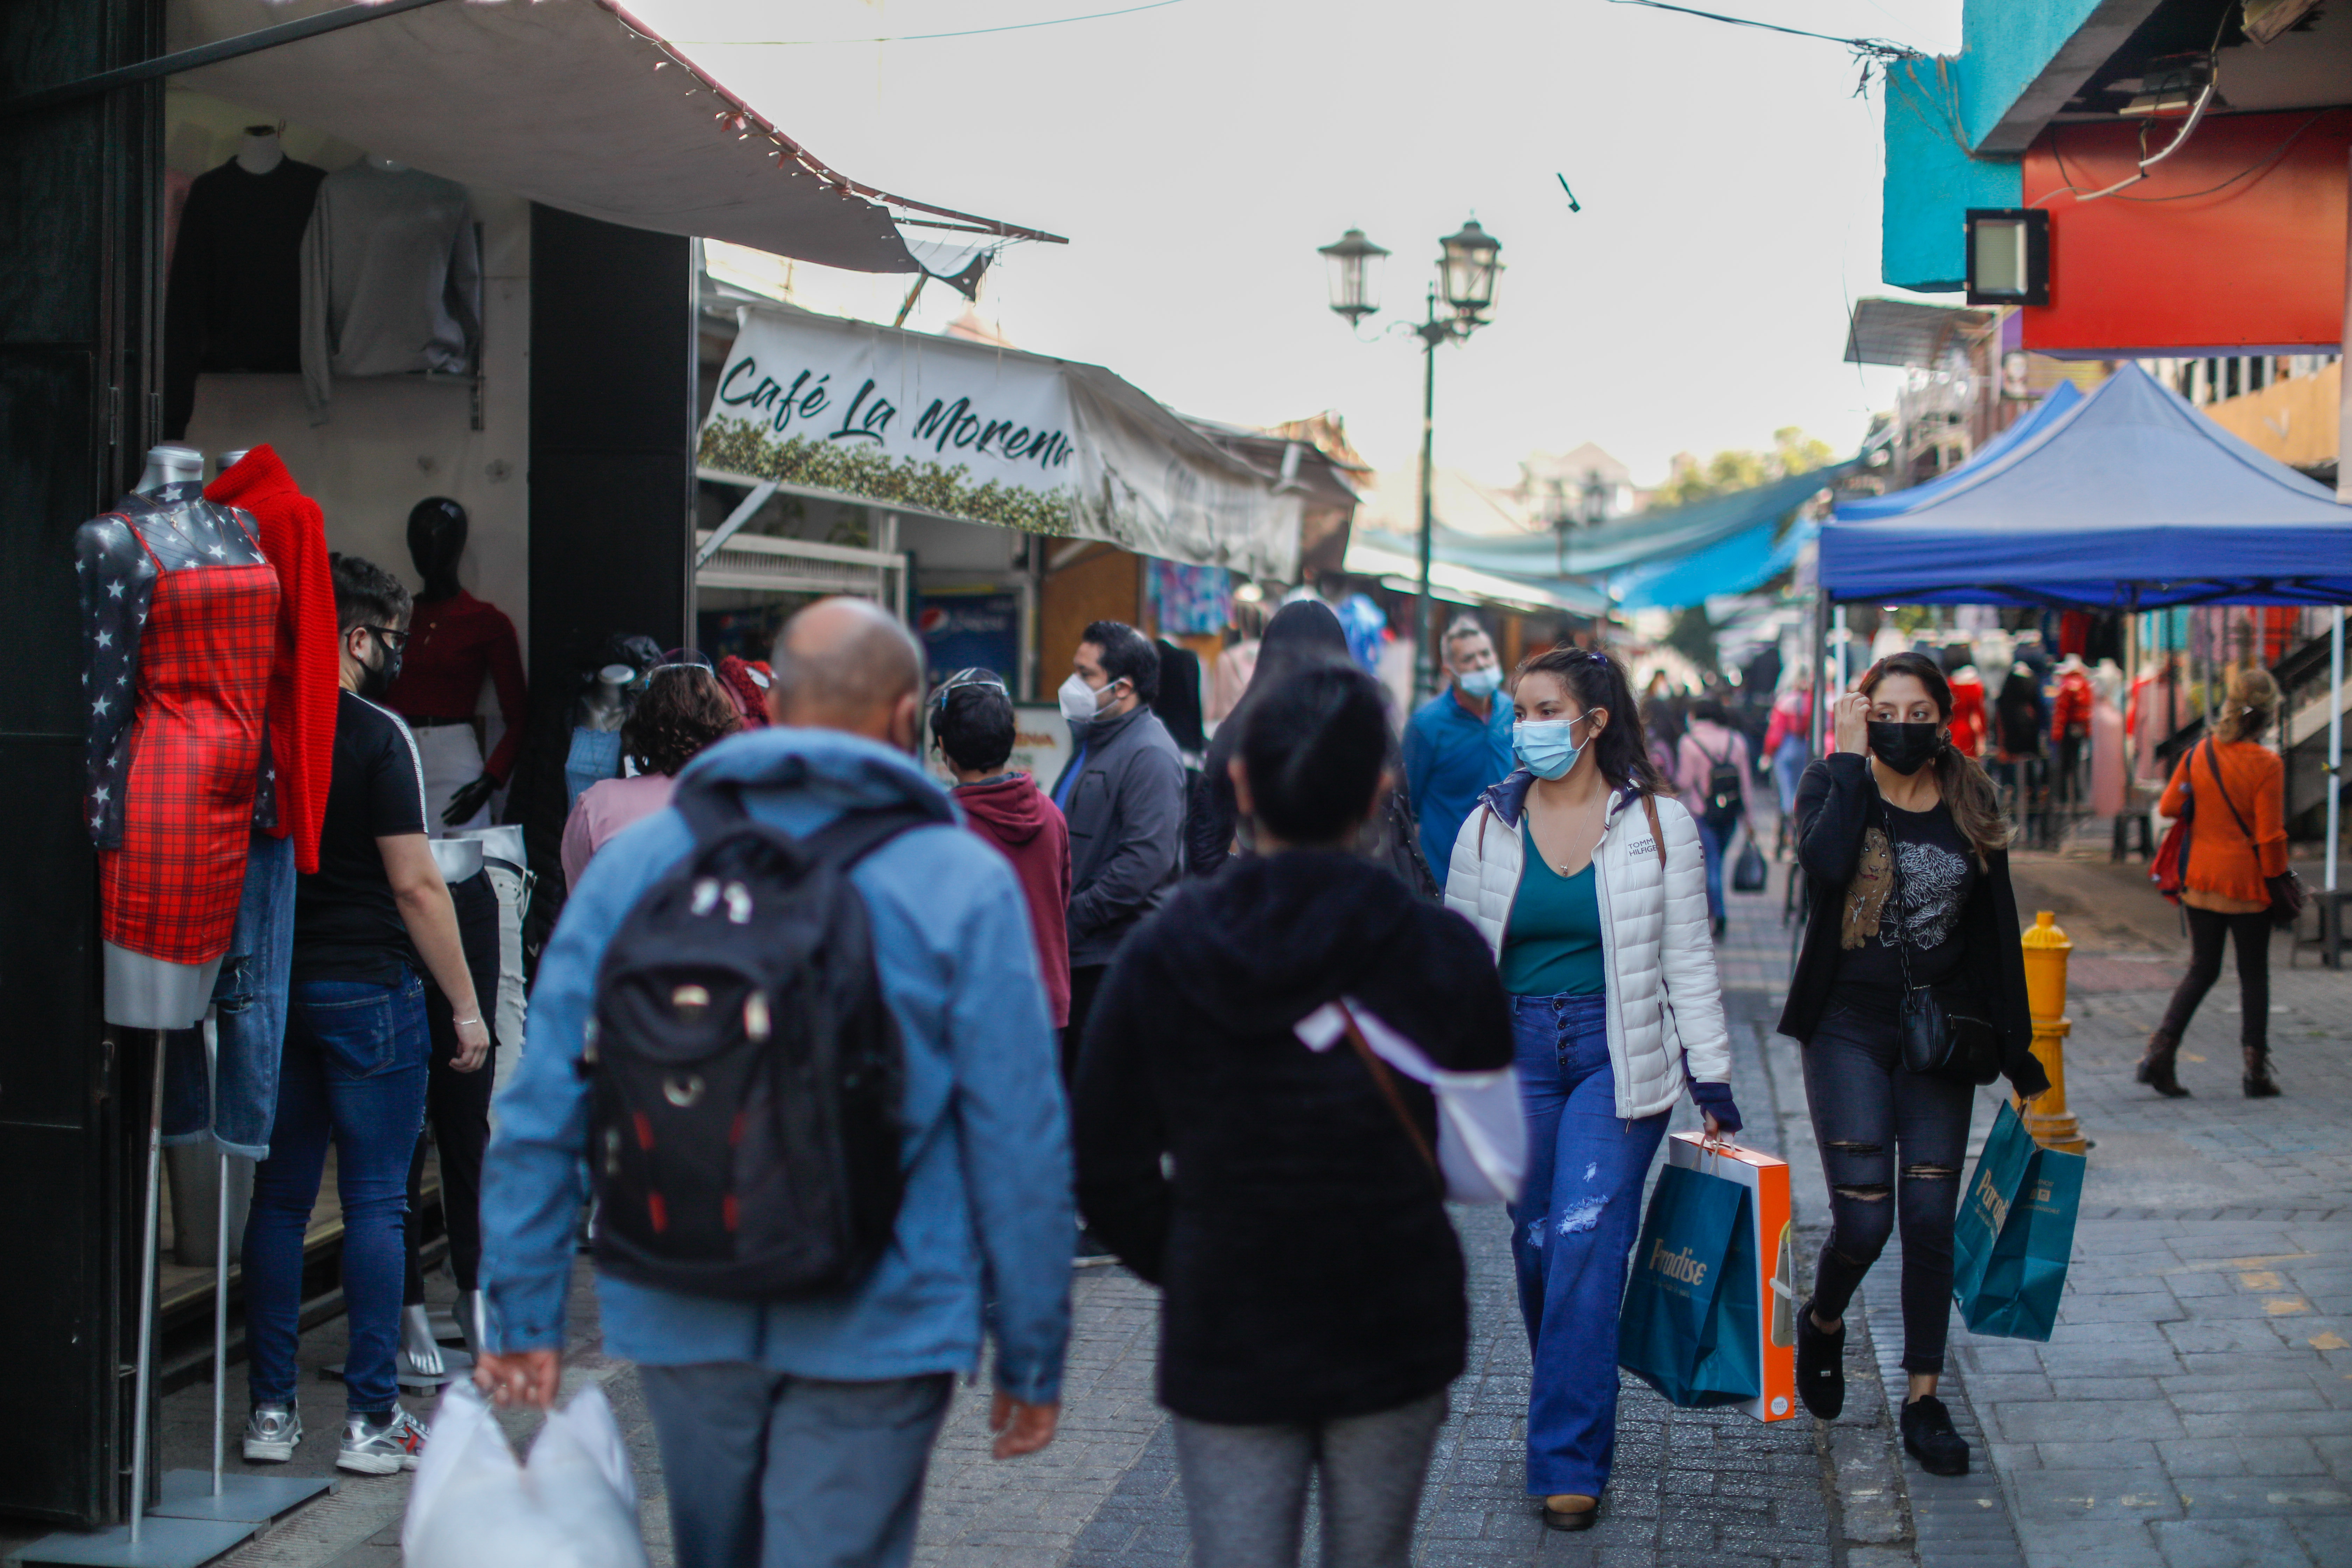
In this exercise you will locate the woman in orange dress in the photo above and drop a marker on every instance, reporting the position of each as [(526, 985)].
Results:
[(2237, 839)]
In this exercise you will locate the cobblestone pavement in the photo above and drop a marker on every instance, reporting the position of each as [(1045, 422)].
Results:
[(2193, 1407)]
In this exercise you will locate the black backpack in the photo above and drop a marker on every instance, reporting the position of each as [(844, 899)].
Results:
[(1727, 797), (743, 1121)]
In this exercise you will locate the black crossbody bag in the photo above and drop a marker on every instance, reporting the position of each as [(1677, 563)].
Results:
[(1945, 1029)]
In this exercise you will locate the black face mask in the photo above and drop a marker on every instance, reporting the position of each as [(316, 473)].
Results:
[(1905, 748), (376, 678)]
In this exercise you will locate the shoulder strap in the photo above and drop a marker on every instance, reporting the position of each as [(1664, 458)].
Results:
[(854, 834), (1657, 834), (1387, 1082), (714, 808), (2213, 766)]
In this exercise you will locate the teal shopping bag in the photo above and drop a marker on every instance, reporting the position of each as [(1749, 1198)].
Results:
[(2015, 1233), (1688, 1326)]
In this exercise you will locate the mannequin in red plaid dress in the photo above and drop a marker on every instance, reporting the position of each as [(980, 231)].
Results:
[(179, 612)]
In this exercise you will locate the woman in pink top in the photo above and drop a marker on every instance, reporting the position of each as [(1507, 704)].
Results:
[(682, 709)]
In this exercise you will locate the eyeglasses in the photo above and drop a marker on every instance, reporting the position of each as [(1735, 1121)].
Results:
[(974, 677), (395, 640)]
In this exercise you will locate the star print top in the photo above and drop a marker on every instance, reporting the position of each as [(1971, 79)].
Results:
[(116, 574)]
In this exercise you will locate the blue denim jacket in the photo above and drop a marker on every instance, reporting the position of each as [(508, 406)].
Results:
[(984, 1232)]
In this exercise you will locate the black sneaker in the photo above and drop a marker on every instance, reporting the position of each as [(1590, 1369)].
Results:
[(1090, 1251), (1821, 1365), (1928, 1434)]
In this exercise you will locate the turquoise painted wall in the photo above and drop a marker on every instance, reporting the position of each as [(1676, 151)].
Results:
[(2004, 45), (1931, 181)]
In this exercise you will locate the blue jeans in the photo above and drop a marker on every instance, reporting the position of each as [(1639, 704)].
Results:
[(768, 1470), (1715, 842), (354, 1070), (1787, 767), (1579, 1211), (251, 996)]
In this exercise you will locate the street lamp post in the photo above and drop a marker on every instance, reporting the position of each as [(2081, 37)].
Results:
[(1467, 269)]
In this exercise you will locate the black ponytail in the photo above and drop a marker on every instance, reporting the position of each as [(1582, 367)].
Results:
[(1312, 746)]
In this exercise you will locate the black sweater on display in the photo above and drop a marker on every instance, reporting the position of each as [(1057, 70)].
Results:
[(1309, 1269), (1836, 801)]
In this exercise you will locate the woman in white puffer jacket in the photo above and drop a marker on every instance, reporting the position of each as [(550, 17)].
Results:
[(1602, 935)]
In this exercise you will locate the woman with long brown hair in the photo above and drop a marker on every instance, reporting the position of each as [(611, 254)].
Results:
[(1905, 853), (1586, 877), (2237, 843)]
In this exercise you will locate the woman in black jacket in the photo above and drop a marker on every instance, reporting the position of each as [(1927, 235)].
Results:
[(1281, 1192), (1904, 849), (1300, 634)]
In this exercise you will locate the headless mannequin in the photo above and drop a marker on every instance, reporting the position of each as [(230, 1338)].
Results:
[(260, 153), (120, 559)]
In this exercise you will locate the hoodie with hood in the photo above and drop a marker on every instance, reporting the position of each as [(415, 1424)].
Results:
[(982, 1240), (1310, 1271), (1011, 812)]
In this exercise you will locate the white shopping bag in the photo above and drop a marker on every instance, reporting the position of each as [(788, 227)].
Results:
[(573, 1505)]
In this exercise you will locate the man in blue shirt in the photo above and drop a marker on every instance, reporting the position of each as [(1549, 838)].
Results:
[(1458, 742), (798, 1431)]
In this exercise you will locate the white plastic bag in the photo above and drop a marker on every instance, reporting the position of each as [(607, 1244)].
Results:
[(573, 1505)]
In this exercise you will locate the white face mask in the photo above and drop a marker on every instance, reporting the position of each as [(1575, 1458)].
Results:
[(1079, 702)]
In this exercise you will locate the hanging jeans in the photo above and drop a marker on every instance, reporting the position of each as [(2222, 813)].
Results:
[(1869, 1112), (1572, 1229), (251, 995), (353, 1071)]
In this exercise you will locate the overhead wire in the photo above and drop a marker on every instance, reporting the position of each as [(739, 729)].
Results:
[(2188, 129), (1869, 51), (920, 38)]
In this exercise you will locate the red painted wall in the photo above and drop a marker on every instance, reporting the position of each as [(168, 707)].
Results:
[(2257, 264)]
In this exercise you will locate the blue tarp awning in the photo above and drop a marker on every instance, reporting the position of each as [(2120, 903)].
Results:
[(2059, 399), (1739, 565), (1668, 558), (2130, 499)]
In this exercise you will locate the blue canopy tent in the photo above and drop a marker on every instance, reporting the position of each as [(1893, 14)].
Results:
[(2129, 501), (2054, 403)]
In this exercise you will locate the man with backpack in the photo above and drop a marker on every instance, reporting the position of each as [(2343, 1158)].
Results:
[(1711, 771), (793, 1029)]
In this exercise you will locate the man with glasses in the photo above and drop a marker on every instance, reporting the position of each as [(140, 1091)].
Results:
[(373, 915)]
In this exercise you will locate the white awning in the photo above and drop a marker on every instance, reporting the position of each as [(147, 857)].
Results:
[(575, 103)]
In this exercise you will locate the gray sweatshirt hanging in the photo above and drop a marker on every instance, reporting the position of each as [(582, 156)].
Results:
[(392, 279)]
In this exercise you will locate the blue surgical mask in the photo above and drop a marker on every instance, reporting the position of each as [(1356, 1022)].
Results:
[(1546, 747), (1480, 683)]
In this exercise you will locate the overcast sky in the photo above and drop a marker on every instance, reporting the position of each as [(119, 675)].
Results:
[(1198, 153)]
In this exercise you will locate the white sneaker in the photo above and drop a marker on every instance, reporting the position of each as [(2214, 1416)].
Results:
[(272, 1431), (382, 1448)]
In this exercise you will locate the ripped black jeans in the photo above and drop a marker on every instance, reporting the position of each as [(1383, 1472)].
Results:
[(1868, 1114)]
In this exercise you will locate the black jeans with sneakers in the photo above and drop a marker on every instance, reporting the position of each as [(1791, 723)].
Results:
[(1869, 1112)]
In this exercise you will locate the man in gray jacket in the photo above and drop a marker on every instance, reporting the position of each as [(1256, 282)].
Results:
[(1123, 792)]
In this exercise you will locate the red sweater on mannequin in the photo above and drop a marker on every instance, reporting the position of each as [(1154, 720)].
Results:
[(302, 678), (452, 644)]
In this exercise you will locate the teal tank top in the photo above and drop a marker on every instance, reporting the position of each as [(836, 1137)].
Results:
[(1552, 944)]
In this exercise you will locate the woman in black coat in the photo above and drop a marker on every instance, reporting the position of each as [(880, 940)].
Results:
[(1905, 852), (1281, 1194), (1300, 635)]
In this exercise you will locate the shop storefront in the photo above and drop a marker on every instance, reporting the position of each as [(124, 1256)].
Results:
[(525, 181)]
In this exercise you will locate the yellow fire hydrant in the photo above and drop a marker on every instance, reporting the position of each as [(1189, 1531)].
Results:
[(2045, 1114)]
